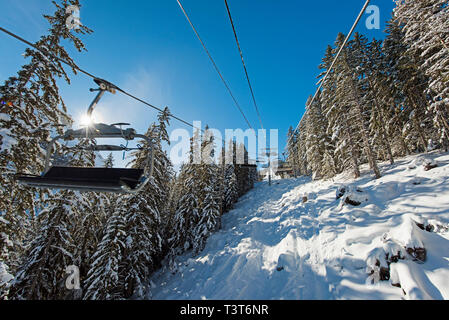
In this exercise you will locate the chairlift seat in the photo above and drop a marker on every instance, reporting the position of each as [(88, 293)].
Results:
[(87, 179), (129, 181)]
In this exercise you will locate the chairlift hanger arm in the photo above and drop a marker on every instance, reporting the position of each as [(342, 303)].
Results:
[(103, 87), (95, 102)]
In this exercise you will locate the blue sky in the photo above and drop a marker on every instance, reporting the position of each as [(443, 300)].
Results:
[(148, 48)]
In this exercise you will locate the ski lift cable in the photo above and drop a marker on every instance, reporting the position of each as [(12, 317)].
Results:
[(91, 75), (331, 67), (244, 65), (99, 79), (215, 65)]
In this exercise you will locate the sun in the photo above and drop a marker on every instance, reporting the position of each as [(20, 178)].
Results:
[(85, 120)]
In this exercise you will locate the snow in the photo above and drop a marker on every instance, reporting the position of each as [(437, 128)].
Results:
[(275, 246), (6, 141), (5, 277)]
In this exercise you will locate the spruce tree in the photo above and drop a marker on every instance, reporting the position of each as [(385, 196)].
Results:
[(374, 70), (231, 191), (332, 159), (109, 162), (186, 215), (92, 209), (426, 30), (400, 75), (197, 213), (142, 232), (209, 213), (341, 115), (408, 85), (32, 111), (163, 167), (292, 150), (65, 236), (105, 278), (351, 61), (41, 276), (317, 140)]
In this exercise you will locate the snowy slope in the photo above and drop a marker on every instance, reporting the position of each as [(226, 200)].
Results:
[(276, 246)]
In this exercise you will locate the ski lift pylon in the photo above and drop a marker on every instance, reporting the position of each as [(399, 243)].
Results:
[(113, 180)]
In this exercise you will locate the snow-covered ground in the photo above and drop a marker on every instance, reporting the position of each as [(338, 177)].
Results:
[(278, 245)]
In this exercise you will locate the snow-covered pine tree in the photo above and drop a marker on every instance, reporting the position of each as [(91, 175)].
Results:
[(87, 229), (242, 171), (187, 211), (143, 242), (142, 213), (341, 116), (394, 57), (352, 74), (373, 69), (426, 30), (209, 219), (198, 211), (163, 167), (317, 140), (231, 192), (66, 235), (408, 84), (209, 213), (304, 167), (41, 275), (109, 162), (221, 180), (173, 201), (253, 176), (105, 278), (329, 169), (143, 217), (93, 212), (292, 150), (332, 159), (32, 110)]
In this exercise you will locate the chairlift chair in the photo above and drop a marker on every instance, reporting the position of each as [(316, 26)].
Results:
[(113, 180)]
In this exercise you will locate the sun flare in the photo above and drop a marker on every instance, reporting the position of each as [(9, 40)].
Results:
[(85, 120)]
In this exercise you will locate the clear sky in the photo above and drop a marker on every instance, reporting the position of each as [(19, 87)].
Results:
[(148, 48)]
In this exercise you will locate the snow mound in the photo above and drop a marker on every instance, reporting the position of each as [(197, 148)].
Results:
[(425, 162), (351, 195), (409, 236)]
